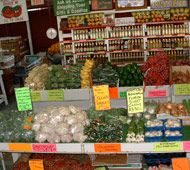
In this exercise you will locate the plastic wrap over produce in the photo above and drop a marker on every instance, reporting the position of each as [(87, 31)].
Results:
[(60, 124)]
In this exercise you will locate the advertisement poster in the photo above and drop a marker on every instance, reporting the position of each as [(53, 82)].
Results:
[(37, 2), (13, 11)]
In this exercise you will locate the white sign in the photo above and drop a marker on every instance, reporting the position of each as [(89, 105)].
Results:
[(13, 11), (124, 21), (37, 2)]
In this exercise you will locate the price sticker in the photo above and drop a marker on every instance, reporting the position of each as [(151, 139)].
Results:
[(23, 98), (36, 164), (101, 97), (20, 147), (179, 48), (180, 164), (182, 89), (157, 93), (135, 100), (123, 94), (168, 147), (36, 96), (167, 49), (55, 95), (107, 148), (50, 148), (186, 146)]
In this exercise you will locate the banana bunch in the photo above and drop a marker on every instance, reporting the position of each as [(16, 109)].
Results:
[(85, 74)]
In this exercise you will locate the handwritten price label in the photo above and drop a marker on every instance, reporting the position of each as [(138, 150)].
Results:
[(107, 147), (55, 95), (36, 164), (44, 148), (36, 96), (182, 89), (180, 164), (157, 93), (168, 147), (20, 147)]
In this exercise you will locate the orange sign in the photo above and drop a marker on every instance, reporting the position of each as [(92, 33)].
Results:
[(113, 93), (108, 147), (36, 164), (20, 147), (180, 164)]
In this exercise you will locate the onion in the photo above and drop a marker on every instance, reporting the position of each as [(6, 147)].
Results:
[(180, 106), (169, 106)]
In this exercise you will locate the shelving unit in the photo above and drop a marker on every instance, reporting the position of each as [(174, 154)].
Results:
[(126, 34)]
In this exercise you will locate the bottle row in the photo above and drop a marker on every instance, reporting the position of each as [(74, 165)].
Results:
[(175, 54), (90, 46), (131, 31), (127, 57), (97, 57), (134, 44), (168, 43), (168, 29)]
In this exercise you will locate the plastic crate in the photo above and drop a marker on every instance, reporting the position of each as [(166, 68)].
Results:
[(156, 128), (32, 61), (154, 139)]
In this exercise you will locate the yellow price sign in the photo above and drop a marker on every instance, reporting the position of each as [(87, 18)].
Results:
[(55, 95), (36, 96), (182, 89), (101, 97), (168, 146), (135, 100), (36, 164)]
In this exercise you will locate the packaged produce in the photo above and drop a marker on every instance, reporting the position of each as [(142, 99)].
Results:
[(153, 136), (105, 74), (173, 135), (130, 75), (37, 77), (60, 124), (85, 74), (154, 125), (16, 126), (156, 70), (172, 109), (173, 124)]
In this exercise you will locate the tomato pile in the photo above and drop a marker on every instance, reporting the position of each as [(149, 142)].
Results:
[(156, 70), (59, 162)]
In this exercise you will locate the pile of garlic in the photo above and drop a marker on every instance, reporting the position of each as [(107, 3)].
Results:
[(57, 124), (37, 77)]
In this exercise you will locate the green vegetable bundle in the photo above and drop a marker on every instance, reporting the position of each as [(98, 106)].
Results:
[(105, 74), (130, 75)]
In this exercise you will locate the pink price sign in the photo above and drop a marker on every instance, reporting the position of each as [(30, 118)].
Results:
[(44, 148), (186, 146), (157, 93)]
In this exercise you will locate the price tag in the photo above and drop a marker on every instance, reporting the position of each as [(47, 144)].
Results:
[(99, 39), (135, 100), (168, 147), (23, 98), (44, 148), (180, 164), (186, 146), (182, 89), (167, 49), (55, 95), (107, 147), (101, 97), (113, 93), (36, 164), (123, 94), (157, 93), (36, 96), (20, 147)]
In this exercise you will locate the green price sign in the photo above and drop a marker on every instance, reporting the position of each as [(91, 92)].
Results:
[(55, 95), (23, 98), (68, 7), (36, 96), (182, 89)]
